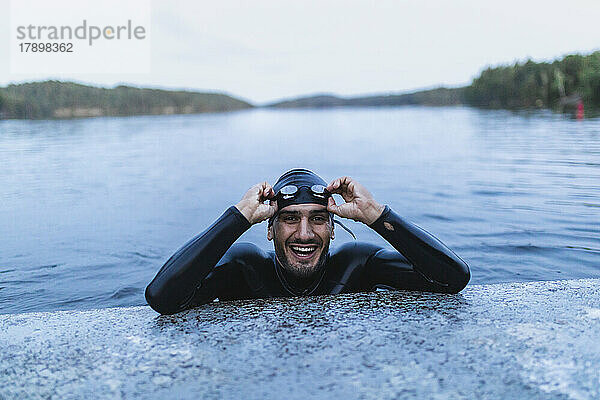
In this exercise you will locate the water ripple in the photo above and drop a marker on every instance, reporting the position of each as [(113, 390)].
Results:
[(127, 291)]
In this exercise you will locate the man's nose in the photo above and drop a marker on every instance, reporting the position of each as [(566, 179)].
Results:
[(304, 231)]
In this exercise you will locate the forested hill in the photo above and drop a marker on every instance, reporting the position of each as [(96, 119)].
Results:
[(434, 97), (531, 84), (54, 99)]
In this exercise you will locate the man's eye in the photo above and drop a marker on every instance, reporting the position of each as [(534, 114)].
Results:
[(319, 219), (290, 219)]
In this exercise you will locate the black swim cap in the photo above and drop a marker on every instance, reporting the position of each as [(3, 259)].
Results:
[(303, 179)]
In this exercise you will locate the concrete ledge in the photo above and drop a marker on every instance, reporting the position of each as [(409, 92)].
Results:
[(524, 340)]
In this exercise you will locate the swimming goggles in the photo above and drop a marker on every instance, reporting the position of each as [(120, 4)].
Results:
[(318, 191), (291, 191)]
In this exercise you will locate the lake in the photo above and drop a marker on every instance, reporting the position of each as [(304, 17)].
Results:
[(90, 209)]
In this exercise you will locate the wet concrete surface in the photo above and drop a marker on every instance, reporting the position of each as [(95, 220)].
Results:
[(523, 340)]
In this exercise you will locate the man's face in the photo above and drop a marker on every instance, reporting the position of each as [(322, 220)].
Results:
[(301, 235)]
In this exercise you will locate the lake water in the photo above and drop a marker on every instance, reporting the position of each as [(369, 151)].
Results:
[(90, 209)]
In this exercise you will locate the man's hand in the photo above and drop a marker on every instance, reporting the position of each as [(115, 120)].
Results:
[(359, 203), (253, 206)]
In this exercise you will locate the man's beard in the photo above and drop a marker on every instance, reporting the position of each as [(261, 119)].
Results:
[(300, 271)]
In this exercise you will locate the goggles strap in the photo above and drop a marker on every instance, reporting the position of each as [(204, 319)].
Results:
[(335, 221)]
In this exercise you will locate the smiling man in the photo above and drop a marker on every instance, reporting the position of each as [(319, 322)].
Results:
[(300, 211)]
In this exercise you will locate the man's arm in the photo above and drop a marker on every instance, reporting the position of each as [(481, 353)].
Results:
[(438, 267), (434, 266), (173, 288)]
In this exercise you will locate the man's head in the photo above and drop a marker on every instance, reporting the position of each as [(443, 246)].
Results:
[(302, 227)]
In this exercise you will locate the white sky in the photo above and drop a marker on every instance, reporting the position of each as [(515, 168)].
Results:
[(264, 50)]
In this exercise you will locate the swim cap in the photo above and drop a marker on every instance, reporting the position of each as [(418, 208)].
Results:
[(303, 179)]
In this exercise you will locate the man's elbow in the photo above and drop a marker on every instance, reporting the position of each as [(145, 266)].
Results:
[(157, 302), (461, 278)]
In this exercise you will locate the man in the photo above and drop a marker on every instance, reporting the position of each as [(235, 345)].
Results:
[(300, 211)]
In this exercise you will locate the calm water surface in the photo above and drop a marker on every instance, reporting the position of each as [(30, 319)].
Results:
[(90, 209)]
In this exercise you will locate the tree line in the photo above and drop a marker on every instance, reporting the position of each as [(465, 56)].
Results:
[(558, 84), (545, 84), (55, 99), (434, 97), (528, 84)]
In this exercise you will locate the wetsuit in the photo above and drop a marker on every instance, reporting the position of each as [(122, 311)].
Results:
[(210, 266)]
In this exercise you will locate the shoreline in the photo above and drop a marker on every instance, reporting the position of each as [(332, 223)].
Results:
[(591, 113)]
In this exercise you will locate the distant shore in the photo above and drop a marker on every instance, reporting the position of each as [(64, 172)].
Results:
[(434, 97), (55, 99), (560, 85)]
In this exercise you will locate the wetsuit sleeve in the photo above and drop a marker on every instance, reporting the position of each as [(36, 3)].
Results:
[(173, 288), (431, 265)]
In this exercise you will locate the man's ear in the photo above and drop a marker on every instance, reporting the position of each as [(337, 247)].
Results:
[(270, 232), (332, 231)]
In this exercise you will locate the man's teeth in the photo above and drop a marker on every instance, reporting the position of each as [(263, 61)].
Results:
[(304, 249)]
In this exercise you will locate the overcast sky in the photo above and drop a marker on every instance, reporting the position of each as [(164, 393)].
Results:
[(263, 50)]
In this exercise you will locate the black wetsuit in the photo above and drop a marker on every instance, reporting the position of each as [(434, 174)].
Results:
[(209, 267)]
